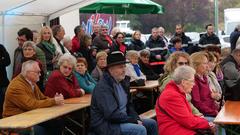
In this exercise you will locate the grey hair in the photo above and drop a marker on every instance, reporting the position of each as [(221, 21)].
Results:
[(144, 52), (182, 73), (67, 39), (27, 66), (69, 58), (131, 53), (29, 44)]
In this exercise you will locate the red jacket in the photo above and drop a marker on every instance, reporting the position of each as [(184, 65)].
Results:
[(57, 83), (75, 44), (201, 97), (179, 119)]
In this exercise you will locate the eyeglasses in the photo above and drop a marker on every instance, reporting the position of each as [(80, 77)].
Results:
[(66, 67), (19, 39), (27, 49), (104, 29), (37, 72), (190, 80), (183, 63)]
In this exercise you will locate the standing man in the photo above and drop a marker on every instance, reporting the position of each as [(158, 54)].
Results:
[(79, 33), (103, 41), (96, 28), (209, 38), (234, 38), (24, 34), (4, 62), (58, 34), (231, 71), (180, 33), (24, 95), (112, 112)]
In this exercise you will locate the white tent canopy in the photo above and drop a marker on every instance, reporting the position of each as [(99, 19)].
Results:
[(16, 14)]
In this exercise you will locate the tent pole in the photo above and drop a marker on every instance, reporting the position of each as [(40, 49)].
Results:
[(3, 28)]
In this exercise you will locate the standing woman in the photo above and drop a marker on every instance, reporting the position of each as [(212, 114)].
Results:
[(29, 53), (120, 45), (45, 43), (85, 80), (136, 43)]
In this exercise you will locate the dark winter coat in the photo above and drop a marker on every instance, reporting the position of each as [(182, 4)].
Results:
[(106, 116), (4, 62)]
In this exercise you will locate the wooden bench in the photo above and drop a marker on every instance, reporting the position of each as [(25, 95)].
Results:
[(149, 114)]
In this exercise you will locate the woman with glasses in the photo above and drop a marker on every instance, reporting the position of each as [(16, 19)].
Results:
[(175, 60), (120, 45), (174, 114), (29, 53), (63, 81)]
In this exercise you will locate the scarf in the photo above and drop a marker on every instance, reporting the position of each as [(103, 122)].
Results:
[(137, 69), (122, 47), (109, 40), (49, 46)]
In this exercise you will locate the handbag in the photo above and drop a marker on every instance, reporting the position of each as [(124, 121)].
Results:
[(198, 131)]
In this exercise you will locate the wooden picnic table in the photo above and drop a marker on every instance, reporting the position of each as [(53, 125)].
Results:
[(31, 118), (149, 85), (229, 114)]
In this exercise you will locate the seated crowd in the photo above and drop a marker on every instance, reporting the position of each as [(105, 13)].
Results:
[(54, 68)]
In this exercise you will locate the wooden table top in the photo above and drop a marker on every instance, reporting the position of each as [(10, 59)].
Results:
[(34, 117), (229, 114), (86, 99), (148, 85)]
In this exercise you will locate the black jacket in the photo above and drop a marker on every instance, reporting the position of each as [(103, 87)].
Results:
[(157, 47), (231, 78), (105, 113), (205, 39), (4, 62), (185, 39), (233, 39), (148, 71), (137, 45)]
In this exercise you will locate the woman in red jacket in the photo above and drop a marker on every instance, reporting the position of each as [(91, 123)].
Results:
[(174, 115), (63, 81)]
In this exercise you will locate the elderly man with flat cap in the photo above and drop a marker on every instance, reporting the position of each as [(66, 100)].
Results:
[(112, 112)]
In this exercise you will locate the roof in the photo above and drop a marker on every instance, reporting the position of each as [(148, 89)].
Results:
[(47, 8)]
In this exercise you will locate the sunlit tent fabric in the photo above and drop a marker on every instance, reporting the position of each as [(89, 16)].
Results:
[(123, 7)]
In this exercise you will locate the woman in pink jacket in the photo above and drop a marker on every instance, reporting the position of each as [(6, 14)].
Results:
[(174, 115)]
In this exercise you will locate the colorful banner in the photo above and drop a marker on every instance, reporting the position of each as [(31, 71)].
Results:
[(87, 21)]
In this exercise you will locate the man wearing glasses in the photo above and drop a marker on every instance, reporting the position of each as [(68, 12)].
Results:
[(24, 34), (24, 95)]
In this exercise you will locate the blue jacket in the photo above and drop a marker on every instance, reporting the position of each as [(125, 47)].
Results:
[(106, 116), (86, 82)]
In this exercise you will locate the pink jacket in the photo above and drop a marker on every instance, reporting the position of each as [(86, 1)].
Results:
[(179, 119)]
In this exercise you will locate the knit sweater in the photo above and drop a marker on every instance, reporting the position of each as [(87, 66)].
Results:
[(20, 97)]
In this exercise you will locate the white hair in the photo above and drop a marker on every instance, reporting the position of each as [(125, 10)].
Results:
[(182, 73), (66, 39), (131, 54), (27, 66), (69, 58)]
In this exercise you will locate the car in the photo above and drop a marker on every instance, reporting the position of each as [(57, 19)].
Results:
[(194, 36), (225, 41)]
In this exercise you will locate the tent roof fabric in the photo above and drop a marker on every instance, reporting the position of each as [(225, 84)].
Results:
[(39, 7)]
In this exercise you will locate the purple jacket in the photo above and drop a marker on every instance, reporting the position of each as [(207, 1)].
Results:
[(201, 97)]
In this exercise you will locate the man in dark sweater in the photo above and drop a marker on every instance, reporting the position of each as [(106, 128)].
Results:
[(209, 38), (112, 112)]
